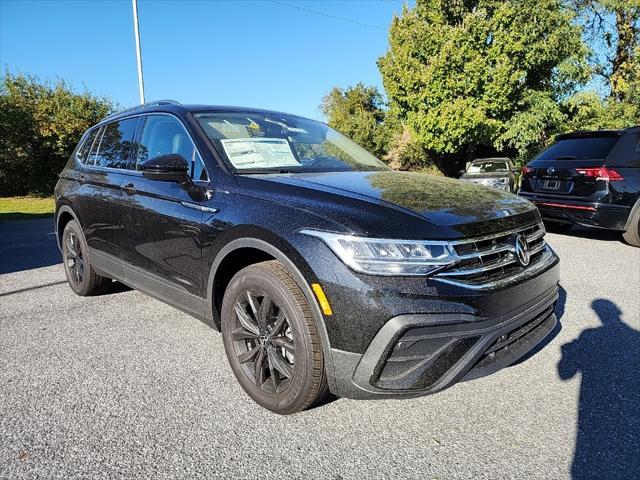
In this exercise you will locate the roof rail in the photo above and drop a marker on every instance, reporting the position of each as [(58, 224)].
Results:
[(142, 105)]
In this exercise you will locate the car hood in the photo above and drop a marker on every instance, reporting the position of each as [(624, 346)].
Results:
[(398, 203)]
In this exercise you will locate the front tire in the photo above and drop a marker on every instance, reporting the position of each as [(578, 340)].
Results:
[(81, 276), (632, 235), (271, 339)]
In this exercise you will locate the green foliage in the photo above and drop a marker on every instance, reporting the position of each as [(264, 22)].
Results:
[(358, 112), (406, 152), (482, 75), (16, 208), (588, 111), (612, 28), (40, 125)]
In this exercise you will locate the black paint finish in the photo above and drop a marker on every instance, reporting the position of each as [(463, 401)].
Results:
[(176, 231)]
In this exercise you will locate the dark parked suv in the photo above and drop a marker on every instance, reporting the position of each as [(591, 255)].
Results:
[(324, 269), (590, 179)]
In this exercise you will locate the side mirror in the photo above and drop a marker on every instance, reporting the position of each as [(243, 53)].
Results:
[(166, 168)]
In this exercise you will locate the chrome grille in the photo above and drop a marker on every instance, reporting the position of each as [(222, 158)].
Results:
[(490, 261)]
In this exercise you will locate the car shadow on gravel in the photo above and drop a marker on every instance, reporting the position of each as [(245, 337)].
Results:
[(607, 358), (27, 244), (117, 287)]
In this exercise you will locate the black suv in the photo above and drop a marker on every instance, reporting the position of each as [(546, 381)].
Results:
[(588, 178), (324, 269)]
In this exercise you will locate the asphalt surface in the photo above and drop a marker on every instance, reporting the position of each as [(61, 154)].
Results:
[(123, 386)]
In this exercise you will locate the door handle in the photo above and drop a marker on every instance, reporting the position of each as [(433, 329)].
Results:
[(129, 189), (201, 208)]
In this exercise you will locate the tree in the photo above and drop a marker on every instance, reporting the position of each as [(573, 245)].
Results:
[(358, 112), (40, 125), (469, 76), (612, 28)]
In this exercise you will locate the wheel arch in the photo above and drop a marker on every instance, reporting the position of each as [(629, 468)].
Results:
[(261, 249), (63, 216)]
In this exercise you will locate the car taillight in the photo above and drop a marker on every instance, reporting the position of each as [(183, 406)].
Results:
[(600, 173), (526, 170)]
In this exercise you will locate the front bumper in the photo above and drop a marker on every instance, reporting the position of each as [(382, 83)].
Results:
[(414, 355), (588, 214)]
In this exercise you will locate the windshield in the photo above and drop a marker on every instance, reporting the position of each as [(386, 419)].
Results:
[(488, 167), (586, 147), (265, 143)]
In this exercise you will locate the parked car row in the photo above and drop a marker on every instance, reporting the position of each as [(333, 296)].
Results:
[(585, 178), (324, 269)]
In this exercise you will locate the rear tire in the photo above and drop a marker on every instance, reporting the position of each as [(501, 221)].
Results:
[(557, 227), (81, 276), (271, 339), (632, 235)]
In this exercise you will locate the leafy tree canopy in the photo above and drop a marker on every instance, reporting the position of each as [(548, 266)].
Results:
[(470, 74), (40, 124), (358, 112)]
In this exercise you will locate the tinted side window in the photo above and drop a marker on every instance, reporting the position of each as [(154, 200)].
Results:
[(116, 144), (85, 148), (163, 135)]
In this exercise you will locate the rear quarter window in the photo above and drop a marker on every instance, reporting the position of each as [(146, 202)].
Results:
[(578, 148), (116, 144), (83, 152), (626, 153)]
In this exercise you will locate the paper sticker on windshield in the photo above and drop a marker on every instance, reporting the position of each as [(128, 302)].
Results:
[(259, 152)]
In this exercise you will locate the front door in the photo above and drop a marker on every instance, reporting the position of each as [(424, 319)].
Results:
[(162, 221)]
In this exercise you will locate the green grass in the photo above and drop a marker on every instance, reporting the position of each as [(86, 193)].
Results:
[(14, 208)]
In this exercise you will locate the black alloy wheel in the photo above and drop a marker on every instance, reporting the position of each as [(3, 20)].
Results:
[(74, 258), (263, 342), (271, 339), (81, 275)]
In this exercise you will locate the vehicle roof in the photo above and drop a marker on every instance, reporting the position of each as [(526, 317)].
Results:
[(598, 133), (175, 107)]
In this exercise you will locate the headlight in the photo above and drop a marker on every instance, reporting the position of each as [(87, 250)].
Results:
[(388, 257)]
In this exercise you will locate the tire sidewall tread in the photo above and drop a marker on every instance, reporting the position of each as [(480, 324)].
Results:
[(92, 284)]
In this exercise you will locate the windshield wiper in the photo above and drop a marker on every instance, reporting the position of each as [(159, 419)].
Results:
[(567, 157), (254, 171)]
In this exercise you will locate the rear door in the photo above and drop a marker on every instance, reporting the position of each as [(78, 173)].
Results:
[(162, 221), (570, 166), (101, 177)]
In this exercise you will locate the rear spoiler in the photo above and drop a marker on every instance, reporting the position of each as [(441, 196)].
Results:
[(590, 134)]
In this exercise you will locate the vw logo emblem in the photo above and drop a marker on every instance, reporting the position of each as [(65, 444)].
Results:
[(522, 250), (550, 170)]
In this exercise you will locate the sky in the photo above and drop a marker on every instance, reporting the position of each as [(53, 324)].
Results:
[(282, 55)]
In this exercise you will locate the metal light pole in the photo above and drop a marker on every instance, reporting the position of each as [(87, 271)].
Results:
[(138, 51)]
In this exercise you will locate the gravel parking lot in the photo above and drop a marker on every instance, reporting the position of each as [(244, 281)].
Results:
[(124, 386)]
